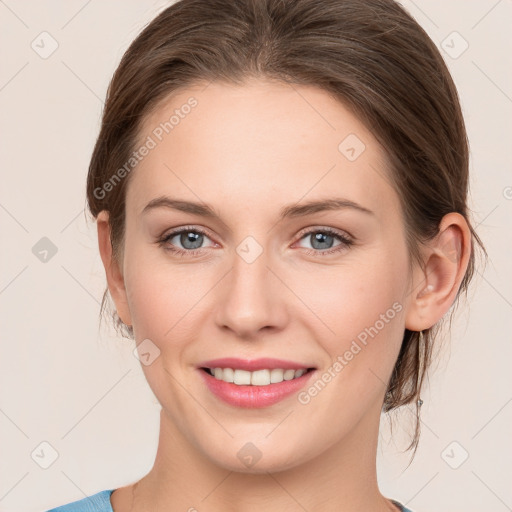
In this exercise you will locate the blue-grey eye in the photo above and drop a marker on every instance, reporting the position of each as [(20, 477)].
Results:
[(190, 239), (321, 240)]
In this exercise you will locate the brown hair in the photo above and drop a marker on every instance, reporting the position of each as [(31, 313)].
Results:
[(370, 54)]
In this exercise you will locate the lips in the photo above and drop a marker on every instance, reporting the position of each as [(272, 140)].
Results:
[(241, 396), (254, 396), (265, 363)]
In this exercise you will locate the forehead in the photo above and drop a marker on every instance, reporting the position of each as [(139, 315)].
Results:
[(259, 144)]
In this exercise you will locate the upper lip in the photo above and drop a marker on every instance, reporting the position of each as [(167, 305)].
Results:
[(253, 364)]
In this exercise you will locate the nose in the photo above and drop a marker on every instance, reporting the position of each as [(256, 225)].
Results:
[(252, 298)]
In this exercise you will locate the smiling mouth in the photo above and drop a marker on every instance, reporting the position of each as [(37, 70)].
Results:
[(262, 377)]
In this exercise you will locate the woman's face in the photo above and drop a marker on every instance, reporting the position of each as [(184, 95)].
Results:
[(264, 275)]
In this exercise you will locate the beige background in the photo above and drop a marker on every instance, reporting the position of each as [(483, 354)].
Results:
[(81, 390)]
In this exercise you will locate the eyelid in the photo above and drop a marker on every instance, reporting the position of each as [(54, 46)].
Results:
[(325, 229), (346, 239), (176, 231), (305, 231)]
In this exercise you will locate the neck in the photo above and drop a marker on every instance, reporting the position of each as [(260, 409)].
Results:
[(342, 479)]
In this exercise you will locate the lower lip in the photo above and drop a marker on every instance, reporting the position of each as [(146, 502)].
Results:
[(254, 396)]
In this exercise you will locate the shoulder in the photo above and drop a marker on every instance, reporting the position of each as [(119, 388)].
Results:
[(99, 502)]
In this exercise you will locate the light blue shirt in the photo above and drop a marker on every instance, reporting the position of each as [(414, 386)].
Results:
[(100, 502)]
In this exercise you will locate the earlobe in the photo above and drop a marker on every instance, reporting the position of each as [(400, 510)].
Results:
[(114, 274), (436, 286)]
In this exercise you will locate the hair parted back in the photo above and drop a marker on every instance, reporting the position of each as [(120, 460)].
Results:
[(371, 55)]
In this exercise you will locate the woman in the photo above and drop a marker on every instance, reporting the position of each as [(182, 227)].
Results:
[(280, 191)]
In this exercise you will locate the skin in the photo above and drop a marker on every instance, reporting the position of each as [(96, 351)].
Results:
[(248, 151)]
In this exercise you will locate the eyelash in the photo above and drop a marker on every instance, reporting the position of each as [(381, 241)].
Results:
[(346, 242)]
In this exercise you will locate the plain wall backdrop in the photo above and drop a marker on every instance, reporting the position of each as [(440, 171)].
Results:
[(76, 414)]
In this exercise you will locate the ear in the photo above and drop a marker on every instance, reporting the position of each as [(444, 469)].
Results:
[(113, 270), (446, 260)]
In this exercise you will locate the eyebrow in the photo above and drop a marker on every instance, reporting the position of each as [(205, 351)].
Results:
[(291, 211)]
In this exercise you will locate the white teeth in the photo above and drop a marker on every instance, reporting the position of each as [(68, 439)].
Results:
[(260, 377), (228, 374), (241, 377), (256, 378)]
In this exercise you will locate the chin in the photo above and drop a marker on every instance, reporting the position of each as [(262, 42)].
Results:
[(246, 457)]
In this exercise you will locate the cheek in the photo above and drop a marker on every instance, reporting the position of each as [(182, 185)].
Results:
[(351, 301), (358, 314), (155, 300), (367, 318), (165, 298), (348, 298)]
